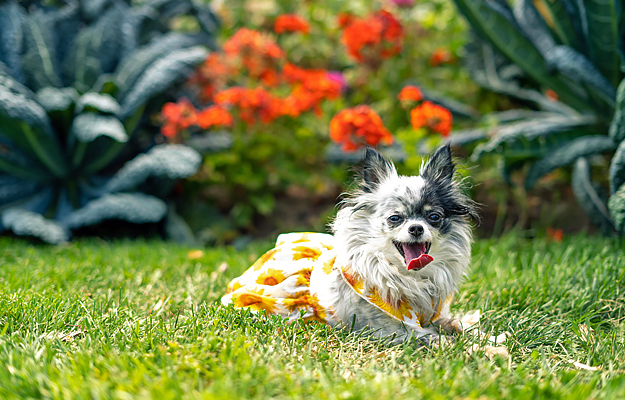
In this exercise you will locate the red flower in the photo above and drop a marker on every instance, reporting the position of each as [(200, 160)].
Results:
[(176, 117), (433, 117), (214, 116), (253, 104), (374, 38), (441, 56), (290, 23), (355, 127), (410, 93), (257, 53)]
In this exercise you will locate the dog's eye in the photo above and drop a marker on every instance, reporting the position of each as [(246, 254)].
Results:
[(434, 217), (395, 218)]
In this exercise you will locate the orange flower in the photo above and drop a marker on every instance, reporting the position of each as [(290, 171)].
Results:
[(374, 38), (355, 127), (441, 56), (310, 88), (410, 93), (555, 234), (551, 95), (290, 23), (433, 117), (214, 116), (176, 117), (258, 53), (253, 104)]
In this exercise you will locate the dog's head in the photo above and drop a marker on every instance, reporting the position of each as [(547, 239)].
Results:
[(419, 224)]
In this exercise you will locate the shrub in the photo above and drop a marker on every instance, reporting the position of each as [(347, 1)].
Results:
[(565, 58), (286, 78), (75, 82)]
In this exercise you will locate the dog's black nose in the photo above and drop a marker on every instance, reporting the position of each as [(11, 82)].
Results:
[(415, 230)]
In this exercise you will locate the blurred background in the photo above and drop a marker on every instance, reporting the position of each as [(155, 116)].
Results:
[(218, 122)]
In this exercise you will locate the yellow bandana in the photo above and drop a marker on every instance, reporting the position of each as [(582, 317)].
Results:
[(403, 311)]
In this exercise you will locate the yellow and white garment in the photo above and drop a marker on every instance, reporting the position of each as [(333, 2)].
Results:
[(294, 279)]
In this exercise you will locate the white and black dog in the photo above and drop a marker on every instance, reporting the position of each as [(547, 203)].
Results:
[(401, 246), (410, 238)]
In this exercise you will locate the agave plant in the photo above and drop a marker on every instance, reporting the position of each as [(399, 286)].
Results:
[(75, 82), (573, 51)]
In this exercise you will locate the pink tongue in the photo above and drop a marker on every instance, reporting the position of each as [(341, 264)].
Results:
[(416, 258)]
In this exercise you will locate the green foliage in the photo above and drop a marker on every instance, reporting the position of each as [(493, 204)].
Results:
[(133, 319), (572, 53), (75, 83)]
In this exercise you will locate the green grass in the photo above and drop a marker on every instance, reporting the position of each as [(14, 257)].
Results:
[(141, 320)]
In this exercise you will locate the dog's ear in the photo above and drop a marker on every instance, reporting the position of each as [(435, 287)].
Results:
[(375, 169), (440, 166)]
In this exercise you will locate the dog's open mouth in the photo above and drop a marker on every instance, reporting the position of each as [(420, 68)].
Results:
[(415, 254)]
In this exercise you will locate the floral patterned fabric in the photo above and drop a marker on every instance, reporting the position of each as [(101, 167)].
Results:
[(294, 279)]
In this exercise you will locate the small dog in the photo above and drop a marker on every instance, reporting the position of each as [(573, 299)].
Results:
[(399, 250)]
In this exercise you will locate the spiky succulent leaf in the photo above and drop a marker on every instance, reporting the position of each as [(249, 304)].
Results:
[(163, 161), (160, 76), (20, 165), (93, 9), (491, 20), (137, 208), (56, 99), (616, 205), (12, 18), (96, 50), (26, 124), (492, 71), (617, 168), (577, 67), (40, 62), (532, 135), (617, 127), (600, 27), (563, 18), (567, 154), (99, 138), (533, 26), (590, 196), (135, 64), (14, 189), (27, 223), (97, 102), (467, 136)]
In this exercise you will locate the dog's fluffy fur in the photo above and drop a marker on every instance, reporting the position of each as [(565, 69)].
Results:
[(369, 241)]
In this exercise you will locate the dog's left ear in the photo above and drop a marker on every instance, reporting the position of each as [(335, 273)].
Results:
[(440, 166), (375, 169)]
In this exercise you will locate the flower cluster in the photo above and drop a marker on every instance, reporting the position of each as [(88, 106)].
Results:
[(254, 105), (290, 23), (374, 38), (432, 117), (309, 88), (180, 116), (258, 53), (355, 127)]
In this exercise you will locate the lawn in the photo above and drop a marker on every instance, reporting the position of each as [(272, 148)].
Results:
[(141, 319)]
